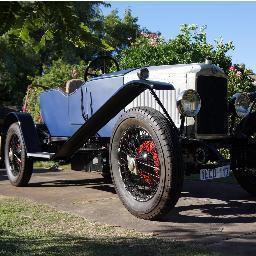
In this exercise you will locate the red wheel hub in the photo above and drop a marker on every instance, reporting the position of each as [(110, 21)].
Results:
[(148, 147)]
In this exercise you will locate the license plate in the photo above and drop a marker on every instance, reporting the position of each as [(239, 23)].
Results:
[(215, 173)]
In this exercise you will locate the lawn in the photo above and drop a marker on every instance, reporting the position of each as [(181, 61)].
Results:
[(27, 228)]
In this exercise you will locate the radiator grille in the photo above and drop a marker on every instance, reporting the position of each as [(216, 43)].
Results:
[(213, 116)]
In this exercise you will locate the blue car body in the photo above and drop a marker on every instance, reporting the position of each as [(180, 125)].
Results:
[(62, 112)]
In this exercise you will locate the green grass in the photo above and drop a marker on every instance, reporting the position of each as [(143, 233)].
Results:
[(27, 228), (51, 164)]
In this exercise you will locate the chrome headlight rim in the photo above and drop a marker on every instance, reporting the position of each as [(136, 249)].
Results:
[(242, 104), (189, 103)]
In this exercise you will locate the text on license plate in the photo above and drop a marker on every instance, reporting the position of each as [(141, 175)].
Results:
[(219, 172)]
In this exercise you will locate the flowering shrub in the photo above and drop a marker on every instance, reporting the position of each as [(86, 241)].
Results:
[(152, 38), (189, 46), (239, 79)]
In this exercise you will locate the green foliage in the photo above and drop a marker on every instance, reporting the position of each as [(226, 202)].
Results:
[(239, 79), (119, 33), (52, 27), (33, 34), (17, 61), (56, 74), (53, 76), (190, 45)]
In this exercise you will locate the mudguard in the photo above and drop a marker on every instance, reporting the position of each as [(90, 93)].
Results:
[(126, 94), (27, 127)]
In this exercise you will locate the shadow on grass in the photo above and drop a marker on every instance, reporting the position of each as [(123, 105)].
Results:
[(13, 245)]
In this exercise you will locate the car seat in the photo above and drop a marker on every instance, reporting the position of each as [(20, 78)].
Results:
[(72, 85)]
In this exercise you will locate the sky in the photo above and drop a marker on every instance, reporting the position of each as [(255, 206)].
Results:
[(234, 21)]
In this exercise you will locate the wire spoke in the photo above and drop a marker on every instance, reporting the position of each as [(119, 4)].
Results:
[(148, 165), (139, 163), (15, 155), (17, 158)]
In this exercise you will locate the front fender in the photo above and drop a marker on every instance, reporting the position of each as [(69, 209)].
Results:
[(27, 128), (148, 84)]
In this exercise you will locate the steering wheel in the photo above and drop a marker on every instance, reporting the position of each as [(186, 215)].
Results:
[(100, 66)]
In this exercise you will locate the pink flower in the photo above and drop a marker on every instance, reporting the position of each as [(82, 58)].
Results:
[(144, 35), (239, 73), (153, 43), (151, 37), (232, 68)]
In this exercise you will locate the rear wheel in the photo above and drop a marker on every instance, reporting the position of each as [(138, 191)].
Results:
[(244, 169), (244, 156), (19, 167), (247, 179), (146, 164)]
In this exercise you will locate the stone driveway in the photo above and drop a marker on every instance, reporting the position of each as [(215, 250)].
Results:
[(218, 216)]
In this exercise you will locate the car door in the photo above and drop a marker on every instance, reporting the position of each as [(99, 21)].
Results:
[(78, 106)]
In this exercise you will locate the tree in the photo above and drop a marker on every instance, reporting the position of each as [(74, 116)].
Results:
[(17, 61), (190, 45), (34, 34), (54, 28), (119, 33)]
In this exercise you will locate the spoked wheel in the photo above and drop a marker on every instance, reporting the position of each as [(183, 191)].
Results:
[(246, 176), (19, 167), (139, 163), (146, 163), (247, 179)]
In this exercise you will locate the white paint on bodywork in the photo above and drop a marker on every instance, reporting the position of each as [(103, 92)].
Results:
[(181, 76)]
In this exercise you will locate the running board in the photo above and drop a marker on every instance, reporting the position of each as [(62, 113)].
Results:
[(41, 155)]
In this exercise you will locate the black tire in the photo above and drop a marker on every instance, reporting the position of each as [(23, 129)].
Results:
[(246, 180), (156, 166), (246, 177), (19, 167)]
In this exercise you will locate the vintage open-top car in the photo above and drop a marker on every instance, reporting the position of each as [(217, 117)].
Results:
[(147, 127)]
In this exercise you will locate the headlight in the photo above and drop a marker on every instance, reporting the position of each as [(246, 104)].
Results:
[(242, 104), (189, 103)]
